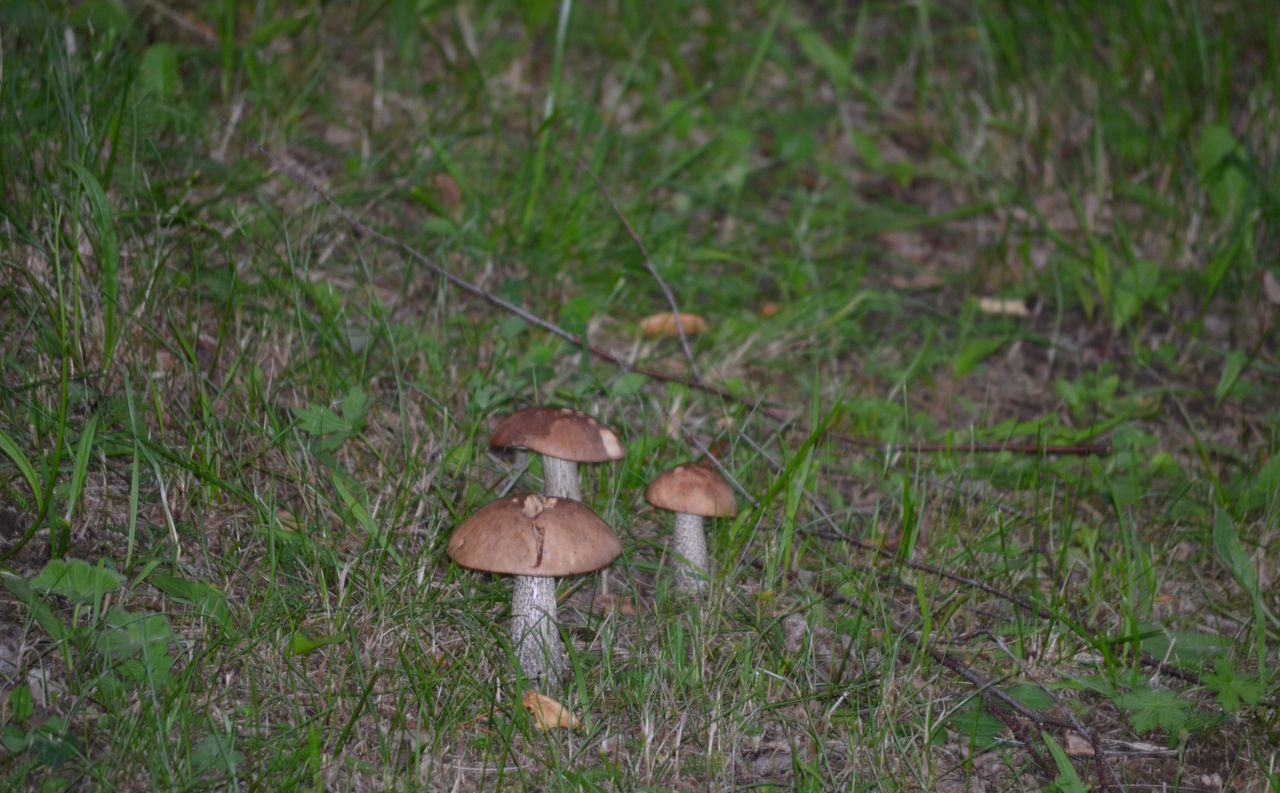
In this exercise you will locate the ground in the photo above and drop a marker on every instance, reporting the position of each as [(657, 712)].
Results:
[(989, 355)]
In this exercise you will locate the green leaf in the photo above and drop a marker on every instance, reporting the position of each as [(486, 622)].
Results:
[(1233, 555), (76, 580), (976, 726), (1231, 369), (355, 404), (20, 704), (1218, 162), (1232, 689), (216, 753), (158, 72), (1031, 695), (15, 454), (106, 251), (1152, 709), (40, 611), (975, 352), (301, 643), (212, 603), (1068, 780), (320, 420), (1187, 649)]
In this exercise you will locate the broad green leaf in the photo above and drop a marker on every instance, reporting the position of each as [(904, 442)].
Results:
[(212, 603), (1186, 648), (1155, 709), (1031, 695), (355, 404), (158, 71), (1232, 689), (1218, 162), (216, 753), (76, 580), (320, 420)]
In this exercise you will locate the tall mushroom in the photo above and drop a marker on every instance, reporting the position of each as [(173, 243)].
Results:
[(535, 539), (564, 438), (693, 492)]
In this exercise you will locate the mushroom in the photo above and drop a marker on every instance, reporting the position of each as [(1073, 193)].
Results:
[(564, 438), (693, 492), (535, 539)]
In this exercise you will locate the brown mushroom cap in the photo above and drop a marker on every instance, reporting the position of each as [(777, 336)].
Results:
[(693, 490), (559, 432), (535, 536)]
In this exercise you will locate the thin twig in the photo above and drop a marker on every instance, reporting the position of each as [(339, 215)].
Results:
[(648, 263)]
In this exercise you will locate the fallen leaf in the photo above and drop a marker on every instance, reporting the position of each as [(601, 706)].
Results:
[(547, 713), (1004, 306), (447, 192), (918, 281), (1271, 288), (769, 309), (608, 601), (664, 325), (1077, 745)]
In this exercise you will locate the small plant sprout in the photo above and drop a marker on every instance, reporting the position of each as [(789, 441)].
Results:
[(564, 438), (535, 539), (693, 492)]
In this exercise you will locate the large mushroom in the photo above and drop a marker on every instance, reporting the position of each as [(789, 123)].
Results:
[(535, 539), (693, 492), (564, 438)]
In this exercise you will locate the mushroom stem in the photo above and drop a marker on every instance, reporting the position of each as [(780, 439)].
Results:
[(533, 630), (690, 545), (560, 478)]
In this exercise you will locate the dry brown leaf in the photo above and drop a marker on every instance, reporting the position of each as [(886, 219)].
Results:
[(608, 601), (664, 325), (769, 309), (547, 713), (1077, 745), (1004, 306), (916, 282), (1271, 288), (447, 192)]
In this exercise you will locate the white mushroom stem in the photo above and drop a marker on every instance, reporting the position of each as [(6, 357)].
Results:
[(560, 478), (533, 630), (690, 546)]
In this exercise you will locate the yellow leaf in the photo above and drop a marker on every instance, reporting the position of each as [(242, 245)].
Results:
[(547, 713), (664, 324)]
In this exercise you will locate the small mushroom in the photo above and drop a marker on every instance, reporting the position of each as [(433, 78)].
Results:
[(564, 438), (693, 492), (535, 539)]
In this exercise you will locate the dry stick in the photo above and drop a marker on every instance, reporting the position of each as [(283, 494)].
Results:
[(759, 405), (648, 263)]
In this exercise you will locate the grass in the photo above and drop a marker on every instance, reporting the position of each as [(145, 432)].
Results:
[(235, 435)]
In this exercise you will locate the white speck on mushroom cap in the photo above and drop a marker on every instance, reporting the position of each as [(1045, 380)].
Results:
[(611, 444)]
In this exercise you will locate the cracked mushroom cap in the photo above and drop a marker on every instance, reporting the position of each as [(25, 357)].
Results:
[(536, 536), (693, 490), (559, 432)]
